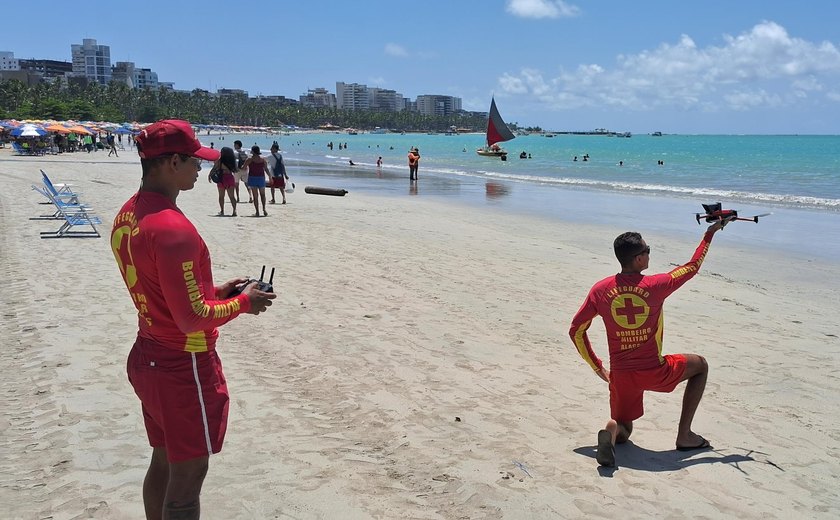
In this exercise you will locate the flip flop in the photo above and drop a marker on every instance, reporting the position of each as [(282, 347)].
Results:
[(702, 446), (606, 451)]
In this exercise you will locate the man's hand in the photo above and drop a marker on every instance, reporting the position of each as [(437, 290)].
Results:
[(604, 374), (719, 224), (223, 291), (260, 300)]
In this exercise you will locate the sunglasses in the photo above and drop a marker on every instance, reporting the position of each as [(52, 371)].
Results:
[(645, 251)]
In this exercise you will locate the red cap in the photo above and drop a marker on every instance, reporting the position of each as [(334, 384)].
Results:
[(172, 136)]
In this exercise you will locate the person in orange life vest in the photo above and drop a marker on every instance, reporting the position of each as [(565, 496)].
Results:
[(173, 365), (630, 304), (413, 163)]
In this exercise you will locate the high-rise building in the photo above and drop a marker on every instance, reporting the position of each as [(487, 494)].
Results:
[(145, 79), (8, 61), (123, 72), (385, 100), (434, 105), (92, 61), (351, 96), (319, 98)]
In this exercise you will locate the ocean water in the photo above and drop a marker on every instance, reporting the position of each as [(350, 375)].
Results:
[(796, 178)]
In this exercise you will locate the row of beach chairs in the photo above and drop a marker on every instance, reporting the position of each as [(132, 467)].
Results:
[(77, 219)]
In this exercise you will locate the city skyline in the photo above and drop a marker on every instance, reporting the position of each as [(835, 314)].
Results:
[(718, 67)]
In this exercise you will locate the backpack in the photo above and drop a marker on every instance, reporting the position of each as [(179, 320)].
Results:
[(279, 167)]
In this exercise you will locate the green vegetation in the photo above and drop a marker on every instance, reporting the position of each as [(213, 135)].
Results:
[(118, 103)]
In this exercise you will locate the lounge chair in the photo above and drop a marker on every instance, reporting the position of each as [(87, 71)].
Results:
[(59, 204), (59, 191), (20, 150), (74, 215)]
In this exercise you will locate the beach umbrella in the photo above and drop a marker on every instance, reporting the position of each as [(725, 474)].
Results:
[(61, 129), (122, 130), (28, 131), (79, 129)]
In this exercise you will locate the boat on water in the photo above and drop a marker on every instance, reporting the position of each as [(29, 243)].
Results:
[(497, 132)]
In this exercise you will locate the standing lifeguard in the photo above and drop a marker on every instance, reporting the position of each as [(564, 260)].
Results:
[(173, 365)]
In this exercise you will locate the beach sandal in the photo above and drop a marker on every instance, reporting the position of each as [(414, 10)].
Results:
[(606, 451), (702, 446), (265, 213)]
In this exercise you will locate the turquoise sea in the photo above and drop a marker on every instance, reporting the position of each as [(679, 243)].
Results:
[(797, 178)]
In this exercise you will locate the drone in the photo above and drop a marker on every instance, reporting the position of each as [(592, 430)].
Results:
[(715, 212)]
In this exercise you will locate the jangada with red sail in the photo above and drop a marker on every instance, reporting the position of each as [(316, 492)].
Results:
[(497, 132)]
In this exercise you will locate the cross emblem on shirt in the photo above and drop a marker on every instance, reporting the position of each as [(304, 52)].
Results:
[(630, 311)]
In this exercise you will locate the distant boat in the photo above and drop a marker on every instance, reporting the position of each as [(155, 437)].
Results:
[(657, 134), (497, 132), (378, 130)]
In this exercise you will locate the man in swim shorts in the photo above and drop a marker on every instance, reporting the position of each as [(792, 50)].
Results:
[(630, 304), (173, 365)]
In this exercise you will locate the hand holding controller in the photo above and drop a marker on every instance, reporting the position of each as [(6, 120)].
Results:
[(260, 284)]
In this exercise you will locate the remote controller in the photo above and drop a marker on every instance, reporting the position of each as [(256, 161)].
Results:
[(261, 285)]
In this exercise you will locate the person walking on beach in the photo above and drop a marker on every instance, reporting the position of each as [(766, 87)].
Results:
[(413, 163), (257, 169), (112, 145), (241, 172), (278, 172), (630, 304), (225, 166), (173, 365)]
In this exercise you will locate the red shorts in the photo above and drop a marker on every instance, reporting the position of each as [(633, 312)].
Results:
[(184, 398), (278, 182), (627, 388)]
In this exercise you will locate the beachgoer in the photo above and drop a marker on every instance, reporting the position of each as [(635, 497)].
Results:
[(226, 165), (112, 145), (379, 162), (257, 170), (278, 172), (413, 163), (241, 172), (173, 365), (630, 304)]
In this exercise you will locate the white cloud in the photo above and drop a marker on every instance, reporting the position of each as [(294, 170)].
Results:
[(377, 81), (393, 49), (762, 67), (542, 9)]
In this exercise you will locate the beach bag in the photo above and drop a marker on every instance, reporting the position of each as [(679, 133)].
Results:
[(216, 174)]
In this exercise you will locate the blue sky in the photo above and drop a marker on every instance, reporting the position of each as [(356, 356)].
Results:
[(745, 66)]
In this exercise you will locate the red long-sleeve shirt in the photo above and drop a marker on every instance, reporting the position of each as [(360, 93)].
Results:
[(166, 266), (631, 307)]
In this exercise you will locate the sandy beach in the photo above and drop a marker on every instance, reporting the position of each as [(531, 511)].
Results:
[(416, 364)]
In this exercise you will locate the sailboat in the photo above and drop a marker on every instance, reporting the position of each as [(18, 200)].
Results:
[(497, 132)]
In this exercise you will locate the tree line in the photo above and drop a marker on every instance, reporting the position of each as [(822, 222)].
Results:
[(116, 102)]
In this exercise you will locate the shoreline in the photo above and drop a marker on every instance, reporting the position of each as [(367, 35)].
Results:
[(395, 315)]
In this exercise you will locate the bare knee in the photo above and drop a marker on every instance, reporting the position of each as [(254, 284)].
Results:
[(695, 365), (186, 479)]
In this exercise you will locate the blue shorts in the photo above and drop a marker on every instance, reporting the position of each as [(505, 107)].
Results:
[(256, 182)]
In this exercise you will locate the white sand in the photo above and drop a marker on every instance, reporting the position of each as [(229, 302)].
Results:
[(395, 316)]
